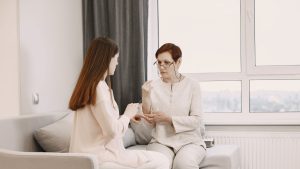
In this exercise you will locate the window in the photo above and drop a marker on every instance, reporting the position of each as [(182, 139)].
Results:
[(199, 36), (274, 96), (221, 96), (244, 53), (277, 32)]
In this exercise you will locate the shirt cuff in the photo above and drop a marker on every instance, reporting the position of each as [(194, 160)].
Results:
[(125, 119)]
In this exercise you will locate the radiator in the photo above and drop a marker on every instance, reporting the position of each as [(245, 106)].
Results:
[(263, 150)]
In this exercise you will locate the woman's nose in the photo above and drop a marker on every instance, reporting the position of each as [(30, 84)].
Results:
[(162, 67)]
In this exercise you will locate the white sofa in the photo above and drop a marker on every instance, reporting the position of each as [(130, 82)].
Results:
[(19, 149)]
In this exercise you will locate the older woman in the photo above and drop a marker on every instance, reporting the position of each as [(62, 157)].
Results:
[(172, 105)]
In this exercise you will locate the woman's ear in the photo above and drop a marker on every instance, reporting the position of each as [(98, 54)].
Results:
[(178, 63)]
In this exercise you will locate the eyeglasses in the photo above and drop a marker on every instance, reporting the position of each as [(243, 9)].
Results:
[(165, 64)]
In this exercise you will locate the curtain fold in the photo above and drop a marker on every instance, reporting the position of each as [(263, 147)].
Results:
[(126, 22)]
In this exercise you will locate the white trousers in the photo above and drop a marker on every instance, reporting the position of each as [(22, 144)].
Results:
[(188, 157), (156, 161)]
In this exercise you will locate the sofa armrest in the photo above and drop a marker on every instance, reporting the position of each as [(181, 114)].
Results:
[(38, 160)]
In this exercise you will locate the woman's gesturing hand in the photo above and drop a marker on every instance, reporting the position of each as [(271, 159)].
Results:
[(137, 118), (146, 100), (157, 117), (146, 89)]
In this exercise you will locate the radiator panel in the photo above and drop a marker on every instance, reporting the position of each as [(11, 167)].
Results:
[(263, 150)]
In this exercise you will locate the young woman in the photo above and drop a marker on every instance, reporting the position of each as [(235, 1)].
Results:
[(98, 128), (173, 104)]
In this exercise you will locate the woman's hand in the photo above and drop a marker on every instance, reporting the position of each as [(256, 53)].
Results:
[(131, 110), (146, 89), (158, 117), (137, 118), (146, 100)]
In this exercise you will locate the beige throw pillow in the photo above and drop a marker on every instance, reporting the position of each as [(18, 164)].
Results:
[(56, 136), (142, 131)]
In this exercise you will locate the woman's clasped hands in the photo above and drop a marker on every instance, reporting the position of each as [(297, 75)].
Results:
[(157, 117)]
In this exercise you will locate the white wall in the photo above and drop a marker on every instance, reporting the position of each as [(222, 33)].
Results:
[(9, 58), (50, 52)]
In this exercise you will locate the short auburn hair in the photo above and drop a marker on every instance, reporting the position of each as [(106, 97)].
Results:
[(174, 50)]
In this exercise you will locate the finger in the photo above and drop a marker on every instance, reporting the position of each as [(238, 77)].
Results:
[(140, 115), (150, 121), (149, 115), (135, 121), (149, 118), (147, 83), (143, 117)]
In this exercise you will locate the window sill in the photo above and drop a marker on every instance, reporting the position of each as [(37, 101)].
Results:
[(285, 119)]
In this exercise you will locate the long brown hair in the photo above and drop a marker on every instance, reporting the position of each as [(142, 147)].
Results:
[(96, 64)]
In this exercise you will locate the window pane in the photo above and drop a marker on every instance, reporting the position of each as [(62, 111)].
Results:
[(221, 96), (277, 25), (274, 95), (207, 31)]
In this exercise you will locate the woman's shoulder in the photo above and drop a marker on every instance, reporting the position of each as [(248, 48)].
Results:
[(191, 82), (102, 85), (102, 91)]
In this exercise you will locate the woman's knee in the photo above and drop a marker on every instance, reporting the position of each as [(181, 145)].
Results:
[(161, 160), (189, 157)]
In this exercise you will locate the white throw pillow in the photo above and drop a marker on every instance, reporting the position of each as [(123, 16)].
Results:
[(56, 136)]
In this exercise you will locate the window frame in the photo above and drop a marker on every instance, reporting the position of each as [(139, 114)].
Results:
[(249, 71)]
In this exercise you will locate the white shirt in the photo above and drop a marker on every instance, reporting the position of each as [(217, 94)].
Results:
[(181, 101), (98, 129)]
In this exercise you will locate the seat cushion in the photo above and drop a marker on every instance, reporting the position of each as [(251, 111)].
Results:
[(217, 157), (222, 157)]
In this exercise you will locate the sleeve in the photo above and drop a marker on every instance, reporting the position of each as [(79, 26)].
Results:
[(111, 126), (146, 99), (195, 118)]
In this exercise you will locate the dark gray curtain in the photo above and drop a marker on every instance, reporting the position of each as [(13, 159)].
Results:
[(125, 21)]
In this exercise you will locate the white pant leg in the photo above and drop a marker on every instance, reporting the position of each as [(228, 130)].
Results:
[(156, 161), (167, 151), (189, 157), (112, 165)]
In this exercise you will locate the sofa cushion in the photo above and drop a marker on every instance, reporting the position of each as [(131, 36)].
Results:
[(56, 136), (222, 157)]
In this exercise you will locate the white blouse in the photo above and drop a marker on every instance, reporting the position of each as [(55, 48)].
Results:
[(181, 101), (98, 129)]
